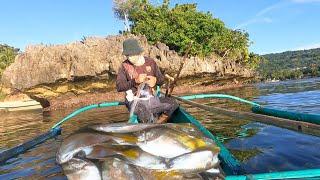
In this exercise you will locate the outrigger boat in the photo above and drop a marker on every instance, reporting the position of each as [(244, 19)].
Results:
[(230, 165), (305, 123)]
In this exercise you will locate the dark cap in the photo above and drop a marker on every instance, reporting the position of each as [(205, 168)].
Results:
[(131, 47)]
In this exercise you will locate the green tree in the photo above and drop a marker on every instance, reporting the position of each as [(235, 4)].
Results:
[(254, 60), (314, 70), (7, 55), (121, 9), (180, 25)]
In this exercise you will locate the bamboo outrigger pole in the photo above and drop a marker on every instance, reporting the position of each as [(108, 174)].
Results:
[(304, 127)]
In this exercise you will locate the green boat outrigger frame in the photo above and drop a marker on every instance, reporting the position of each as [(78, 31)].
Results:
[(229, 163)]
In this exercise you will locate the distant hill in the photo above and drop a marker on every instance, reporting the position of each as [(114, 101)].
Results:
[(290, 64)]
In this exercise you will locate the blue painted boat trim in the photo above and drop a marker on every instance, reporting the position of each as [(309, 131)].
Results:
[(12, 152)]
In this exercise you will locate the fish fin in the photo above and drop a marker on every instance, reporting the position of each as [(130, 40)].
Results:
[(213, 171), (213, 148), (168, 162), (100, 152)]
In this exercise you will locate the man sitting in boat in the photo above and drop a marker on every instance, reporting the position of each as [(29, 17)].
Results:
[(138, 76)]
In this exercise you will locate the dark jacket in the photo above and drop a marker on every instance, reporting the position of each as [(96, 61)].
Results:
[(125, 78)]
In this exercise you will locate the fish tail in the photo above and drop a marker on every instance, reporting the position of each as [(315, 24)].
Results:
[(168, 162)]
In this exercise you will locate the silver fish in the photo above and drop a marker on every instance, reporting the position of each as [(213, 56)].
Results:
[(78, 143), (123, 127), (131, 154), (191, 130), (79, 169), (154, 140), (169, 143), (114, 168), (130, 128), (195, 162), (187, 128)]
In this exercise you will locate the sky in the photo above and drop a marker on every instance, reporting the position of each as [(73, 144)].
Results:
[(273, 25)]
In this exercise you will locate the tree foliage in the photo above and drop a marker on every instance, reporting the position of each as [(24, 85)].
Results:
[(7, 55), (121, 9), (254, 60), (180, 25)]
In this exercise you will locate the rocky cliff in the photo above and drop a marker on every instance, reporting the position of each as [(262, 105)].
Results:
[(48, 72)]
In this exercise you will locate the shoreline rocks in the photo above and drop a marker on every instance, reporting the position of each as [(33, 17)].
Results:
[(46, 73)]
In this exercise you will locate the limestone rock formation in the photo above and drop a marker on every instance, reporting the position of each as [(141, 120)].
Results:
[(45, 72)]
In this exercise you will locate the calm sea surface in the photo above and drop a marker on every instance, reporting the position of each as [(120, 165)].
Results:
[(259, 147)]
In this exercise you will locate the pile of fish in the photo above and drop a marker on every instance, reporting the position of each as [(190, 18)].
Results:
[(139, 151)]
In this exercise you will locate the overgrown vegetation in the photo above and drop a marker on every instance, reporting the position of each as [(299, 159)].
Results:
[(291, 65), (7, 55), (182, 24), (2, 95), (245, 155)]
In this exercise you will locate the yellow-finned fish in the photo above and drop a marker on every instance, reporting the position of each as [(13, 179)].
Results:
[(169, 143), (77, 143), (161, 140), (130, 153), (193, 162)]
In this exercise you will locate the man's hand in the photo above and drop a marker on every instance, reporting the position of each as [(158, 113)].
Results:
[(151, 81), (169, 77), (141, 78)]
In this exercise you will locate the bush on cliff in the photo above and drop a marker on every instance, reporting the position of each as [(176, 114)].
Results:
[(180, 25), (7, 55)]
